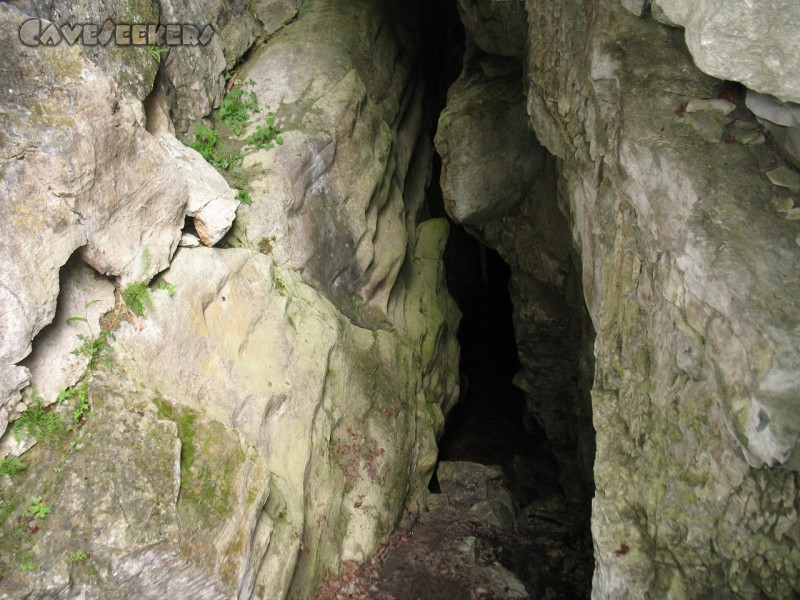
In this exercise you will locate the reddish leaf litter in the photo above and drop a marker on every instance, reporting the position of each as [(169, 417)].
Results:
[(450, 554)]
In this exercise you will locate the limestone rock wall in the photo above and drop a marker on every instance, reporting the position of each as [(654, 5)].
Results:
[(276, 406), (687, 274), (682, 221), (349, 175)]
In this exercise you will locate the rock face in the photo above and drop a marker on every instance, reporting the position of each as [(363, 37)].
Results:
[(496, 26), (489, 158), (686, 269), (349, 106), (686, 274), (263, 413), (85, 177), (741, 41)]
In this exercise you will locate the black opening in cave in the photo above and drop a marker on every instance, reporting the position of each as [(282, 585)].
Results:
[(487, 425)]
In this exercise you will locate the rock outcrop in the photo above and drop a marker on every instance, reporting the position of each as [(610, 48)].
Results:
[(741, 41), (687, 276), (263, 413), (350, 109), (498, 181), (670, 196)]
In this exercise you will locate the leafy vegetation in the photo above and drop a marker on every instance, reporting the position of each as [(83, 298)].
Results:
[(38, 422), (156, 52), (37, 509), (136, 297), (234, 111), (243, 196), (266, 136), (76, 557), (28, 564), (237, 106), (11, 465), (96, 348), (170, 288)]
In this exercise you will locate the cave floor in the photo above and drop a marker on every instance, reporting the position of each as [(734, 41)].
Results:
[(449, 554)]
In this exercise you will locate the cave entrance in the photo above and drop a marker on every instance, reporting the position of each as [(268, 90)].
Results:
[(488, 424)]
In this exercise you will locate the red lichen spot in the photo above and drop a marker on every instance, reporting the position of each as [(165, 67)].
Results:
[(730, 139), (623, 549), (727, 95), (681, 110)]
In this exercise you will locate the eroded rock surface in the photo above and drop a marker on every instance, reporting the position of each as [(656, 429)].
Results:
[(79, 171), (687, 275), (286, 438), (741, 41), (349, 105)]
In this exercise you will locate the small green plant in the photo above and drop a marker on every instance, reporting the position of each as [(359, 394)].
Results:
[(156, 52), (28, 564), (266, 136), (11, 466), (38, 422), (206, 142), (82, 410), (237, 105), (37, 509), (76, 557), (243, 196), (136, 297), (97, 349), (170, 288)]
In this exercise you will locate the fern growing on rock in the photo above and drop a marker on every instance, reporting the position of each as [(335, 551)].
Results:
[(136, 297)]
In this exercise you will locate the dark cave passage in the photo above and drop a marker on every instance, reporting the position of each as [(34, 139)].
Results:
[(495, 422), (487, 425)]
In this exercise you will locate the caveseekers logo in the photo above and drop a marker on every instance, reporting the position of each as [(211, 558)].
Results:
[(38, 32)]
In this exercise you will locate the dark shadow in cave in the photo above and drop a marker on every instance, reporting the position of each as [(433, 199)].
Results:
[(487, 425)]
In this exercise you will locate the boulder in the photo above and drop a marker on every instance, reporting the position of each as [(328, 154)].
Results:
[(741, 41), (496, 26), (490, 159), (211, 202)]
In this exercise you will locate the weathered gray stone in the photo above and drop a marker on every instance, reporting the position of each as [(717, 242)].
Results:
[(714, 105), (636, 7), (784, 177), (131, 68), (211, 201), (686, 273), (489, 157), (496, 26), (331, 200), (57, 361), (79, 171), (495, 178), (274, 14), (479, 489), (754, 43), (307, 389), (193, 77), (767, 107)]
